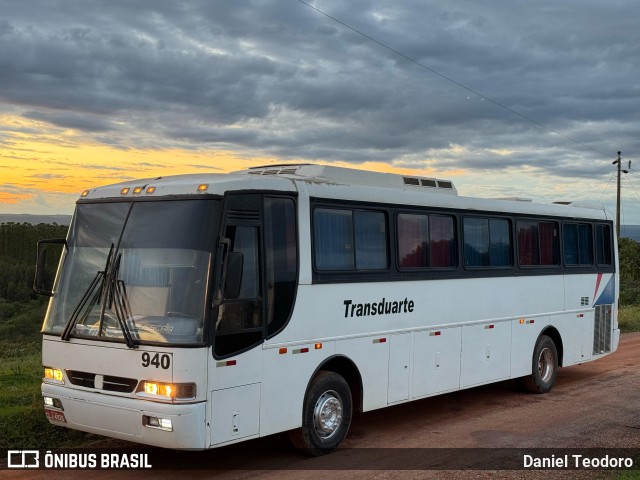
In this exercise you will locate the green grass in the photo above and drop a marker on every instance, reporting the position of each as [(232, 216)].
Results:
[(627, 475), (23, 424), (629, 318)]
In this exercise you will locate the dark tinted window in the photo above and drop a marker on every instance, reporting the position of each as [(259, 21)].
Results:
[(538, 243), (577, 243), (487, 242), (425, 241), (350, 239), (603, 245), (333, 239), (239, 320), (371, 240), (281, 258)]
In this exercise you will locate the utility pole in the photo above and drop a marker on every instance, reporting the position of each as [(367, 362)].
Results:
[(619, 163)]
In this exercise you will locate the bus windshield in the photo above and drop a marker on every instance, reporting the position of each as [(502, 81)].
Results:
[(136, 272)]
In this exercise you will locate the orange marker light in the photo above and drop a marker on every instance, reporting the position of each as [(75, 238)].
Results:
[(151, 189), (318, 346), (124, 191), (203, 187), (137, 190)]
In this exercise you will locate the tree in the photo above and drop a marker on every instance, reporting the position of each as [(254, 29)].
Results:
[(18, 257), (629, 257)]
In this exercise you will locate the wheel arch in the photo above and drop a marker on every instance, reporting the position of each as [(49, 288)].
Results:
[(554, 334), (347, 369)]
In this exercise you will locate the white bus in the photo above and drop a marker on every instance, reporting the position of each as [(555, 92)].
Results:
[(199, 311)]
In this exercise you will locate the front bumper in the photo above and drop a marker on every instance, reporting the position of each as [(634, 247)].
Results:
[(124, 418)]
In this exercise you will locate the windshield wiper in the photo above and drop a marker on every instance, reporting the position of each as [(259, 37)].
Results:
[(118, 301), (112, 292), (97, 280)]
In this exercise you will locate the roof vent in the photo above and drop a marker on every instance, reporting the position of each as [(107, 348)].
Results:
[(274, 170), (428, 183), (411, 181)]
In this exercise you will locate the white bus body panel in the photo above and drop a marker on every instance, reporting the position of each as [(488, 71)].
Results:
[(477, 341), (436, 361)]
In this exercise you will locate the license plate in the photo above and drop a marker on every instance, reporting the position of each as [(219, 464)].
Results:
[(55, 416)]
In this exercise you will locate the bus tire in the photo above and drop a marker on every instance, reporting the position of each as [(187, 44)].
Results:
[(326, 415), (544, 367)]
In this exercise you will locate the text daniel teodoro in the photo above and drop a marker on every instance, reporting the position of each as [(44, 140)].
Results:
[(576, 461)]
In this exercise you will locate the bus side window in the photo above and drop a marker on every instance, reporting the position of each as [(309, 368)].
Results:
[(538, 243), (603, 245), (350, 240), (577, 242)]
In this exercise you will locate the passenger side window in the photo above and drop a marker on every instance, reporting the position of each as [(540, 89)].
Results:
[(487, 242), (426, 241), (538, 243), (577, 242), (350, 240), (603, 245)]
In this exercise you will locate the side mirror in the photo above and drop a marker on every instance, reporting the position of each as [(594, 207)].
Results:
[(233, 280), (42, 285)]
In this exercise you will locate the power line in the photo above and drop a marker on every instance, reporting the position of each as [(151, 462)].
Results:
[(626, 175), (607, 186), (449, 79)]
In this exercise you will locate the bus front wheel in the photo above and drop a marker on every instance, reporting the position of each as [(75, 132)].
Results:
[(544, 367), (326, 414)]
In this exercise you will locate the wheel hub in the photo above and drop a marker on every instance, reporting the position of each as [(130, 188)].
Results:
[(545, 365), (327, 414)]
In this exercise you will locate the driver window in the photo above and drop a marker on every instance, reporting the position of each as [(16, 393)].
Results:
[(239, 320), (245, 240)]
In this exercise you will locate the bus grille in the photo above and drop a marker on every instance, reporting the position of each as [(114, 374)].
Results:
[(109, 382), (602, 329), (119, 384), (82, 379)]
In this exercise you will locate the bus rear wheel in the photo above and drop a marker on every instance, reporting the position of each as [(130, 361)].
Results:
[(544, 367), (326, 415)]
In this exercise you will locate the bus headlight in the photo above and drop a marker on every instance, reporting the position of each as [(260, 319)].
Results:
[(53, 402), (166, 391), (159, 423), (53, 375)]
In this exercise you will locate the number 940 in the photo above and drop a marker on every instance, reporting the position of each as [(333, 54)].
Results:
[(156, 360)]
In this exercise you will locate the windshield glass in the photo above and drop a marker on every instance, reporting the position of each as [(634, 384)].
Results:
[(136, 271)]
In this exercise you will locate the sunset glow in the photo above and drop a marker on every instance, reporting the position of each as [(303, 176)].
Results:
[(44, 169)]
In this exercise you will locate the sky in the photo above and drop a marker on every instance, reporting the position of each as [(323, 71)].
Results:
[(507, 98)]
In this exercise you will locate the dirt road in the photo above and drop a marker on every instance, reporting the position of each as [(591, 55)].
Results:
[(592, 405)]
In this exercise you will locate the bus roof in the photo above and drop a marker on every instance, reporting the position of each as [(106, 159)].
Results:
[(329, 182)]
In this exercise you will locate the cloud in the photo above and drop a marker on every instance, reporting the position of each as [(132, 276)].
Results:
[(281, 80), (47, 176), (72, 120)]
